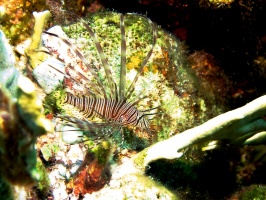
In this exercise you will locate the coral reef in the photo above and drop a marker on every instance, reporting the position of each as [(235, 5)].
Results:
[(80, 8), (188, 95), (167, 80), (233, 32), (189, 92)]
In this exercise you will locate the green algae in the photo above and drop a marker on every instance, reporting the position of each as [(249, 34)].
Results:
[(44, 182), (54, 102), (102, 152), (49, 150), (139, 160), (254, 192)]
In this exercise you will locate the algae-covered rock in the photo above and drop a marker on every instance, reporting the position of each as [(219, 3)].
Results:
[(43, 183), (257, 192), (167, 80)]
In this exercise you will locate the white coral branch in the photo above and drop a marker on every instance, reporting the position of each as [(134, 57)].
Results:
[(240, 126)]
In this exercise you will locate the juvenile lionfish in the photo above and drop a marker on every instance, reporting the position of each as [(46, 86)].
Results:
[(96, 96)]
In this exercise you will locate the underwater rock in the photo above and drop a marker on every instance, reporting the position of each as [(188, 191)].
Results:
[(128, 182), (50, 73), (51, 78), (70, 136)]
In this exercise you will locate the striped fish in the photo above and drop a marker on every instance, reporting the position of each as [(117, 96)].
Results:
[(110, 103)]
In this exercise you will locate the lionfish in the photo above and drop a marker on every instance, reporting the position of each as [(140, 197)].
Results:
[(106, 101)]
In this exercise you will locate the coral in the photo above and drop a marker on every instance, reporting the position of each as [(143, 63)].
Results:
[(34, 56), (216, 3), (240, 126), (8, 73), (21, 124), (211, 77), (78, 7)]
